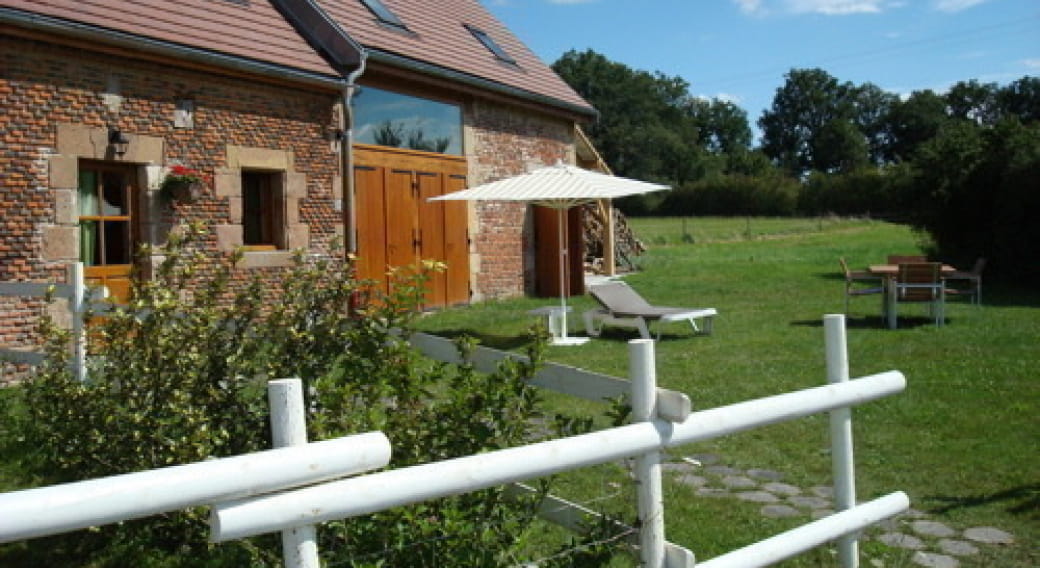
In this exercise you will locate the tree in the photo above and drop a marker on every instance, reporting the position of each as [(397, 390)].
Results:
[(976, 190), (630, 106), (1021, 99), (390, 134), (650, 127), (974, 101), (839, 146), (722, 127), (871, 107), (913, 122), (802, 107)]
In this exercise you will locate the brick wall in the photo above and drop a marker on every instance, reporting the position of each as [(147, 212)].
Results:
[(54, 98), (504, 141), (47, 90)]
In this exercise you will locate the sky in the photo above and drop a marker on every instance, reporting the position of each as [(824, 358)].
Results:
[(740, 50)]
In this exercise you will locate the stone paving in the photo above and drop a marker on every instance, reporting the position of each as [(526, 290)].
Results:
[(935, 544)]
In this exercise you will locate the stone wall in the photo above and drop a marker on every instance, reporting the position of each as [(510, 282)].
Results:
[(503, 141)]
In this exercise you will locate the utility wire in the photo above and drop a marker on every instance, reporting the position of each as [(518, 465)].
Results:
[(1026, 26)]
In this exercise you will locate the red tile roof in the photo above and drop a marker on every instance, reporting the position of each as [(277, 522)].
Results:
[(253, 30), (439, 38)]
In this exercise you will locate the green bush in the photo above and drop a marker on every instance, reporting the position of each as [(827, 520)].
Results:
[(179, 376), (975, 190), (769, 196), (866, 191)]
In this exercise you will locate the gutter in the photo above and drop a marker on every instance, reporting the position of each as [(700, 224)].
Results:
[(400, 62), (92, 33)]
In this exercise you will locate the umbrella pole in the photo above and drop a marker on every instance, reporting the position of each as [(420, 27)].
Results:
[(563, 279)]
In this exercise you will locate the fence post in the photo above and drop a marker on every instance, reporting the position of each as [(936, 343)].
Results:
[(289, 428), (841, 434), (78, 305), (643, 373)]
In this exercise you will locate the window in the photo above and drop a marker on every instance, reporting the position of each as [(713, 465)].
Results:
[(489, 43), (263, 205), (384, 14), (104, 216), (386, 118)]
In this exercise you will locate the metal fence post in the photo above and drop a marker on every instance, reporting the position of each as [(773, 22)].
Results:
[(841, 434), (643, 373), (289, 428)]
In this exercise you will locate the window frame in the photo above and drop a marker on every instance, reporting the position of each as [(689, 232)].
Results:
[(269, 212), (384, 14), (489, 42), (102, 220)]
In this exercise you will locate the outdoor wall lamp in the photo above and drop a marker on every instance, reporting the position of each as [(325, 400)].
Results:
[(119, 142)]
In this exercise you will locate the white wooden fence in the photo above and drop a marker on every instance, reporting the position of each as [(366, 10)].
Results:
[(662, 419), (79, 302), (33, 513)]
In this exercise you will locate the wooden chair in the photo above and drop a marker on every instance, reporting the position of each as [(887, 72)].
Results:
[(921, 282), (854, 276), (973, 278), (906, 258)]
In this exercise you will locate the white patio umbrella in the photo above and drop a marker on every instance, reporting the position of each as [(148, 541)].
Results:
[(559, 187)]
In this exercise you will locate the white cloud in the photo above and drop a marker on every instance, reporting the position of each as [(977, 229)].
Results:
[(955, 5), (836, 7), (1032, 63), (725, 97), (826, 7), (752, 7)]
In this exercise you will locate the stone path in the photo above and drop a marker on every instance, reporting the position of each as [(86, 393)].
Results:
[(935, 544)]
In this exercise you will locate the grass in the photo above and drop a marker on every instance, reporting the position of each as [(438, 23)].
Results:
[(961, 440)]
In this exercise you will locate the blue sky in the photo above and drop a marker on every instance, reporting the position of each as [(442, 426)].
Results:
[(740, 49)]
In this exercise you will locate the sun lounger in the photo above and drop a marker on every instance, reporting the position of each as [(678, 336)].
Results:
[(623, 306)]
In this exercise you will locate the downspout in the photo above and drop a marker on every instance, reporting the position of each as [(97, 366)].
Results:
[(347, 154), (348, 58)]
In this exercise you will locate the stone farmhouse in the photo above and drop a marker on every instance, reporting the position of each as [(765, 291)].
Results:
[(270, 102)]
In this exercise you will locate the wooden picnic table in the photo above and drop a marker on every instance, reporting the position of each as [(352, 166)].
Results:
[(888, 273)]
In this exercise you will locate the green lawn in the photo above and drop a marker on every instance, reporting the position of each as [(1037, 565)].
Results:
[(961, 440)]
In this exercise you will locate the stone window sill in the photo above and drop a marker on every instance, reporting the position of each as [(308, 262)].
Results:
[(266, 259)]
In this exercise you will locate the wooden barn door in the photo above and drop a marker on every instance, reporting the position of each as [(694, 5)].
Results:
[(456, 243), (398, 226), (547, 252)]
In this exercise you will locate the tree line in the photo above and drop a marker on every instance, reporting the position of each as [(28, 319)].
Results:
[(962, 166)]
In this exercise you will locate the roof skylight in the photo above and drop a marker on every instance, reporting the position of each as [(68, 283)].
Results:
[(383, 13), (489, 43)]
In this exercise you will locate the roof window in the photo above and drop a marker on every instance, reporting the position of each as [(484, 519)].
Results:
[(490, 44), (384, 14)]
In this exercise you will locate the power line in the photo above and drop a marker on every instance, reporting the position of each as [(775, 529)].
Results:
[(1027, 25)]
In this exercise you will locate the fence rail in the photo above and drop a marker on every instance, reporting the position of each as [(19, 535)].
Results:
[(32, 513), (80, 301), (372, 493), (662, 420), (588, 385)]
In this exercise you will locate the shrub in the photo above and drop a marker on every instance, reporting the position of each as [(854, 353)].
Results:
[(178, 376), (867, 191), (733, 195), (975, 190)]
